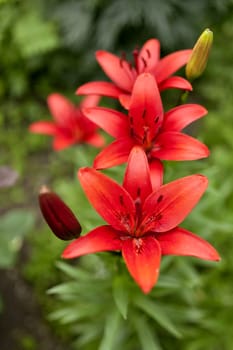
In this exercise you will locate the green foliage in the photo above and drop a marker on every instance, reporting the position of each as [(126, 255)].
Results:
[(27, 342), (13, 227), (89, 292), (46, 249), (121, 295), (41, 38)]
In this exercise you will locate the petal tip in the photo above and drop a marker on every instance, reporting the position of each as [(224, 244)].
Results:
[(203, 179), (99, 53), (78, 91)]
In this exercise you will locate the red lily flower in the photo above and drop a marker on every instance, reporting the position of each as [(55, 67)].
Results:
[(123, 74), (70, 126), (147, 125), (143, 224)]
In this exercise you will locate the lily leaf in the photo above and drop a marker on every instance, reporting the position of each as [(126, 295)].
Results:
[(120, 295), (156, 312)]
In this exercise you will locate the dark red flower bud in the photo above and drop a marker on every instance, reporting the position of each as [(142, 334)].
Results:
[(58, 215)]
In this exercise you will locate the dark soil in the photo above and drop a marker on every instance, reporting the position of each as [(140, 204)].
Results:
[(22, 326)]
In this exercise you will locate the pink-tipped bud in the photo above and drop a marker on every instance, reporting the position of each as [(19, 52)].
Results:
[(58, 215), (199, 57)]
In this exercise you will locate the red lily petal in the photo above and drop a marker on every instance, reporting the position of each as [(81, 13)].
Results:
[(175, 82), (149, 56), (179, 117), (170, 64), (178, 146), (114, 154), (137, 175), (60, 143), (182, 242), (118, 70), (61, 108), (167, 207), (156, 173), (102, 88), (84, 127), (142, 257), (108, 198), (95, 140), (90, 101), (125, 100), (146, 109), (113, 122), (47, 128), (100, 239)]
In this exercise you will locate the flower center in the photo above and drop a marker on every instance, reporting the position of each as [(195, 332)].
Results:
[(136, 61)]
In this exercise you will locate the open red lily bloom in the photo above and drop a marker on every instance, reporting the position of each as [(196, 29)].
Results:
[(70, 126), (143, 224), (123, 74), (158, 133)]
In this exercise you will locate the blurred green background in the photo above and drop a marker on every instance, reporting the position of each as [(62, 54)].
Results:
[(49, 46)]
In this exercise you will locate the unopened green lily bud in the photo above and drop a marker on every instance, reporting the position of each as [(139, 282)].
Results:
[(58, 215), (199, 56)]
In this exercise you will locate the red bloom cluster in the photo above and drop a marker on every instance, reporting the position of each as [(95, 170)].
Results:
[(70, 126), (143, 223), (146, 125), (142, 215), (123, 73)]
